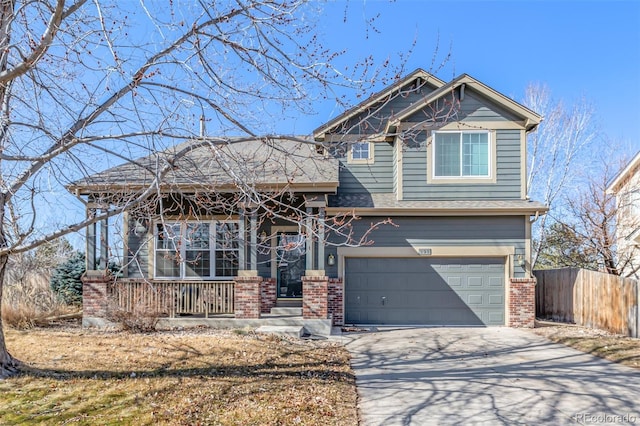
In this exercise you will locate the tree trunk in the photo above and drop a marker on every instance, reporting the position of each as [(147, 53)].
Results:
[(8, 364)]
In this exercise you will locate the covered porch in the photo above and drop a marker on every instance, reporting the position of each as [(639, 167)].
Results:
[(209, 245), (278, 276)]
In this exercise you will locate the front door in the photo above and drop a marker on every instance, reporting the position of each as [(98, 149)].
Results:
[(290, 258)]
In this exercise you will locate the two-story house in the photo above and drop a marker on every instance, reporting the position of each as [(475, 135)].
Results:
[(408, 209), (624, 186)]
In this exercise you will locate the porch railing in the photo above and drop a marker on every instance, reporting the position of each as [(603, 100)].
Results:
[(172, 298)]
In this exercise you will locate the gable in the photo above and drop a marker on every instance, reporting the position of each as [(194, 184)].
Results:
[(370, 116), (472, 106), (625, 175), (412, 99), (441, 105)]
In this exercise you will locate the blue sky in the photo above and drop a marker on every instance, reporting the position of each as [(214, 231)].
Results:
[(577, 48)]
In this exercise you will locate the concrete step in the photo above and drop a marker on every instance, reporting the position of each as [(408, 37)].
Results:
[(287, 311), (283, 330)]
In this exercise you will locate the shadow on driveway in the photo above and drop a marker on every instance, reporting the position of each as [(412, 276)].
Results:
[(423, 376)]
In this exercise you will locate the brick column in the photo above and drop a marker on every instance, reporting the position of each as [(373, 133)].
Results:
[(247, 296), (268, 295), (315, 297), (522, 302), (95, 298), (335, 301)]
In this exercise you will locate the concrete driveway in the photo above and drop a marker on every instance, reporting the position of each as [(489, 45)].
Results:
[(425, 376)]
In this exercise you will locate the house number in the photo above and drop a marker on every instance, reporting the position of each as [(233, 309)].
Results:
[(424, 252)]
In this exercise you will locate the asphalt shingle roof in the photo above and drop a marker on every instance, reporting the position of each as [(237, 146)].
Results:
[(388, 201), (218, 164)]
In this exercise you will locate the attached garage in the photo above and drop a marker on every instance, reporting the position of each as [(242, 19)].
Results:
[(425, 291)]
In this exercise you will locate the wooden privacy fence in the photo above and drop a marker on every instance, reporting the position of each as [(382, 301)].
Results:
[(171, 298), (589, 298)]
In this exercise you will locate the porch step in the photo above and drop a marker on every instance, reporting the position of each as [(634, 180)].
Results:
[(287, 311), (288, 303), (283, 330)]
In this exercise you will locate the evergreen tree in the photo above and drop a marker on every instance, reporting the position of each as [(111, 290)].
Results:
[(66, 278)]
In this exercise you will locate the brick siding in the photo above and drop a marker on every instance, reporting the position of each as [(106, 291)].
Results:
[(247, 297), (95, 300), (315, 300), (522, 305), (268, 295), (336, 292)]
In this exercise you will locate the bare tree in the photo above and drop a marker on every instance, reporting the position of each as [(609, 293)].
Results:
[(597, 215), (85, 85), (556, 150)]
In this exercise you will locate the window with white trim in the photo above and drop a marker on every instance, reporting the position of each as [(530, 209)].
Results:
[(360, 151), (196, 249), (461, 154)]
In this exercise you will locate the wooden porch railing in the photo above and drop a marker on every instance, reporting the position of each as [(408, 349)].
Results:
[(171, 298)]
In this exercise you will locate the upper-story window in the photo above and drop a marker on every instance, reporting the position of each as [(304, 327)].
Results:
[(196, 249), (361, 152), (461, 154)]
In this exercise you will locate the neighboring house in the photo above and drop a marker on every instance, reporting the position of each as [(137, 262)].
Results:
[(444, 162), (626, 188)]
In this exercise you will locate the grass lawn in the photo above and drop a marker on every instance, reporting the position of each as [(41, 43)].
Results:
[(79, 376), (614, 347)]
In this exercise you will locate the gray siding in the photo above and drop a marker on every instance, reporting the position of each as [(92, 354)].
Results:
[(373, 119), (376, 177), (442, 231), (474, 107), (508, 179)]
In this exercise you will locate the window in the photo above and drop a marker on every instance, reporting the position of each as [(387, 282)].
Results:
[(361, 152), (197, 250), (461, 154)]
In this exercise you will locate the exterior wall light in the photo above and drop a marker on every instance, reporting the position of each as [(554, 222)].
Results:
[(140, 227), (331, 260)]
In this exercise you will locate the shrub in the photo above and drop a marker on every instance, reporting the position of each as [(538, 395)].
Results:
[(66, 279), (30, 301), (143, 319)]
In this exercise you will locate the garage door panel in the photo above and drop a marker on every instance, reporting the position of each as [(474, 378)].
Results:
[(460, 291), (496, 282), (475, 282), (496, 300), (496, 317), (475, 299), (454, 281)]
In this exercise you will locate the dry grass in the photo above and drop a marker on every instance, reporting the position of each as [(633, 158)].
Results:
[(28, 302), (614, 347), (204, 377)]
